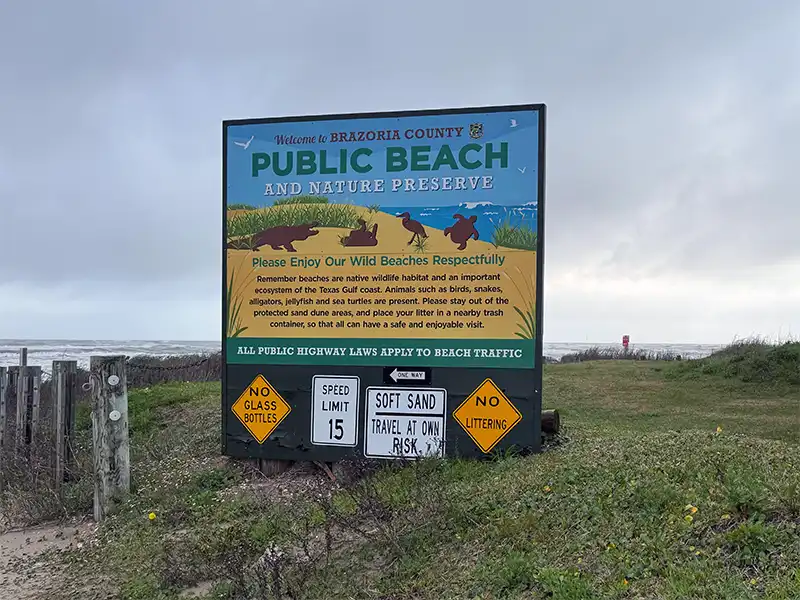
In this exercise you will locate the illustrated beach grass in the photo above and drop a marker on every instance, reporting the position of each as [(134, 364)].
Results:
[(292, 214), (526, 328), (234, 326), (522, 236), (301, 200), (240, 206)]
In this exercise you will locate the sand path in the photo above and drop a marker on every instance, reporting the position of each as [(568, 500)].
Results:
[(25, 572)]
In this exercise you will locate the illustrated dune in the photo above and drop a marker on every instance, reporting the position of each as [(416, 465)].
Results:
[(376, 244), (381, 233)]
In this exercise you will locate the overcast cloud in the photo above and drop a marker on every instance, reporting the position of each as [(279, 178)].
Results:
[(672, 205)]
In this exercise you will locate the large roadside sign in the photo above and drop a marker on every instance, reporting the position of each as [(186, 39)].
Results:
[(382, 284)]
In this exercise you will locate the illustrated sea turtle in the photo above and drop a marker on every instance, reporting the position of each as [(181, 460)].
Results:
[(462, 230), (362, 237)]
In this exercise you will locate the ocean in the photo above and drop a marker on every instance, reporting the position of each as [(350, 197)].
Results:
[(44, 352), (488, 215)]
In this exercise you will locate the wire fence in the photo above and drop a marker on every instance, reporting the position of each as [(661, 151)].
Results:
[(41, 449)]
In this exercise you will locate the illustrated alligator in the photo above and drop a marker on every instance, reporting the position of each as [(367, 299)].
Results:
[(277, 238)]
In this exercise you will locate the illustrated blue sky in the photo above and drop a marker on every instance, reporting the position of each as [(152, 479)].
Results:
[(513, 186)]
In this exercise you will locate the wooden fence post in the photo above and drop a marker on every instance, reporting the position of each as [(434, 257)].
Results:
[(112, 474), (64, 397), (22, 408), (3, 413), (36, 385)]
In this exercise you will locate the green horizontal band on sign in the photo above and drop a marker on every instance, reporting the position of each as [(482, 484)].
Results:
[(496, 354)]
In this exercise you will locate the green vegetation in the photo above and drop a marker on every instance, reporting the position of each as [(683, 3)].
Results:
[(232, 311), (521, 237), (526, 328), (325, 215), (420, 245), (241, 207), (616, 353), (301, 200), (752, 360), (667, 482)]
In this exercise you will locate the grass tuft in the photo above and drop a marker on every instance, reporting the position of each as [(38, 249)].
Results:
[(292, 214), (522, 236)]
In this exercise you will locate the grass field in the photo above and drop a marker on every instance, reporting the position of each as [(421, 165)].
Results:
[(671, 480)]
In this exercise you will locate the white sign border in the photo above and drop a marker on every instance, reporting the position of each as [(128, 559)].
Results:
[(355, 421), (406, 388)]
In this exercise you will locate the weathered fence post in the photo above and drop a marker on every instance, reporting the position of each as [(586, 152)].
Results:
[(3, 413), (112, 478), (22, 408), (35, 374), (64, 385)]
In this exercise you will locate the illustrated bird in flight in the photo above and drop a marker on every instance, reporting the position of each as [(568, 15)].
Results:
[(522, 170), (245, 145), (513, 122)]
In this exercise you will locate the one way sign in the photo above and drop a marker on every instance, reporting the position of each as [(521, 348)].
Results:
[(410, 375)]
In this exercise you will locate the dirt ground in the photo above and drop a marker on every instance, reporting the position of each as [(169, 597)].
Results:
[(24, 572)]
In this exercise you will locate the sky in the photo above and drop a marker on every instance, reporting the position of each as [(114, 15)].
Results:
[(514, 182), (673, 139)]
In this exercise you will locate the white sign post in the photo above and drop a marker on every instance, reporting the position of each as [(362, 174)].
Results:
[(404, 422), (334, 410)]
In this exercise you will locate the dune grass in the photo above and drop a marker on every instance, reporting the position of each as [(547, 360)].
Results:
[(752, 360), (301, 200), (522, 236), (660, 486), (241, 207), (616, 353), (325, 215), (233, 317)]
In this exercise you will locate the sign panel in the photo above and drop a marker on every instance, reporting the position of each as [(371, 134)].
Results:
[(406, 375), (334, 410), (404, 422), (487, 415), (404, 249), (261, 409)]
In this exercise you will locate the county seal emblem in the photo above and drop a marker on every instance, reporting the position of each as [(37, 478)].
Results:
[(476, 130)]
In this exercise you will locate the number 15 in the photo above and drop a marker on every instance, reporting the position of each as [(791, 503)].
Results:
[(335, 425)]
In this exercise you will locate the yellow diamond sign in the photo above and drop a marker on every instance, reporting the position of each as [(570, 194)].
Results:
[(487, 415), (260, 409)]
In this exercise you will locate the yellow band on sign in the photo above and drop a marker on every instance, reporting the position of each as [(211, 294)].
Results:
[(487, 415), (260, 408)]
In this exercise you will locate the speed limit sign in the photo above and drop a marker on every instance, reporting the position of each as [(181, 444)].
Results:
[(334, 410)]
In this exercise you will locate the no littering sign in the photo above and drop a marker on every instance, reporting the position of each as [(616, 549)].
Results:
[(260, 409), (487, 415)]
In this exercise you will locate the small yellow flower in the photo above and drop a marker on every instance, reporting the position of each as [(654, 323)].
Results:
[(693, 510), (691, 548), (611, 546), (725, 517), (753, 582), (152, 516), (547, 488), (624, 582), (697, 553), (688, 518), (719, 429)]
